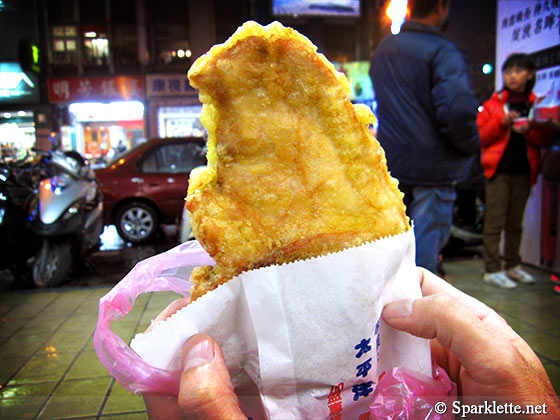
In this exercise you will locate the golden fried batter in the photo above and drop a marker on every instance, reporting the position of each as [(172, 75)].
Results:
[(293, 171)]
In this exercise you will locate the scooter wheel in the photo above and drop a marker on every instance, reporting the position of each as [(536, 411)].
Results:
[(51, 266)]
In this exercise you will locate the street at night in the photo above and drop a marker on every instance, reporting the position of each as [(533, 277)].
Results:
[(279, 209)]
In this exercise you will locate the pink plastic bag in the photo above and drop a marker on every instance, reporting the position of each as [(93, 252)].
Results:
[(401, 394), (169, 271), (404, 394)]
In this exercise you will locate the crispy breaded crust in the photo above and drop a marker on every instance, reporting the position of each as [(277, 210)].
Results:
[(293, 171)]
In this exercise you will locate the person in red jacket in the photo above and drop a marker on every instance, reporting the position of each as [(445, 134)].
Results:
[(510, 142)]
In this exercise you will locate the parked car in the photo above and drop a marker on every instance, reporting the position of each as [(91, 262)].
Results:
[(184, 228), (147, 185)]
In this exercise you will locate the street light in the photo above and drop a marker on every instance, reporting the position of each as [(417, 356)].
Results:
[(487, 68), (397, 12)]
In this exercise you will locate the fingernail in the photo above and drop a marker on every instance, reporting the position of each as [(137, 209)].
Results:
[(199, 354), (398, 308)]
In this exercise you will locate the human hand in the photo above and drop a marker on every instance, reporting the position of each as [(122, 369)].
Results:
[(205, 388), (521, 126), (509, 118), (477, 348)]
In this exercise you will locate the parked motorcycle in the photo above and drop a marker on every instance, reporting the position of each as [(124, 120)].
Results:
[(16, 192), (63, 217)]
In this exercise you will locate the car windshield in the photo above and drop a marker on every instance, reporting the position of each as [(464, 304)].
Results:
[(171, 158), (119, 156)]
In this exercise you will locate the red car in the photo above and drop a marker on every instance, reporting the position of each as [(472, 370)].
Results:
[(147, 185)]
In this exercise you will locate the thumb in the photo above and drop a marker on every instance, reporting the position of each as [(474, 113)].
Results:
[(496, 361), (206, 391), (451, 321)]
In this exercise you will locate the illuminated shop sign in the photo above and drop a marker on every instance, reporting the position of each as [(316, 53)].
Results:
[(357, 73), (102, 88), (296, 8), (113, 111), (168, 85), (530, 26), (16, 85)]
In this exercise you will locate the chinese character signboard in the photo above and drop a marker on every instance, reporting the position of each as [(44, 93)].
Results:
[(548, 67), (532, 27), (102, 88), (168, 85)]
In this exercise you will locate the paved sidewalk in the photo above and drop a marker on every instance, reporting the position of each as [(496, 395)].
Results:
[(49, 369)]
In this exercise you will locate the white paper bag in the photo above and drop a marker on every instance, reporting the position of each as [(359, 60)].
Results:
[(308, 334)]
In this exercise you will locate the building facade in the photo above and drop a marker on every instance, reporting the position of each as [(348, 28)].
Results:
[(116, 69), (24, 115), (112, 73)]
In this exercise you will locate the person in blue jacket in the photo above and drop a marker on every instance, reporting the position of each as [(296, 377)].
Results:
[(427, 121)]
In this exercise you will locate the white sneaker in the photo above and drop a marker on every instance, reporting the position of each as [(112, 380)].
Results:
[(516, 273), (500, 279)]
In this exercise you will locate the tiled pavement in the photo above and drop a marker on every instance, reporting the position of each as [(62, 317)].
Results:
[(49, 369)]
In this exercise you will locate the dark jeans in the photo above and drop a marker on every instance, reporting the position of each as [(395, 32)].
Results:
[(431, 210), (506, 197)]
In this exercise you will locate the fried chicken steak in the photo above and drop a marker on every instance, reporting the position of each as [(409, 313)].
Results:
[(293, 170)]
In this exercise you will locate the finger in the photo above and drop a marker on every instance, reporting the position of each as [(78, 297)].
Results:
[(432, 284), (448, 320), (169, 310), (162, 407), (493, 360), (206, 391)]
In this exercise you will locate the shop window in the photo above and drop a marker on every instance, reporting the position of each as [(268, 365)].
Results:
[(64, 44), (171, 44), (180, 121), (174, 158), (169, 32), (96, 47), (17, 134)]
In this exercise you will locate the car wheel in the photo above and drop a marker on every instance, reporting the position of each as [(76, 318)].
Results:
[(137, 222)]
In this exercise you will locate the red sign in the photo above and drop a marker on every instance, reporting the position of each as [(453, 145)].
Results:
[(96, 88)]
